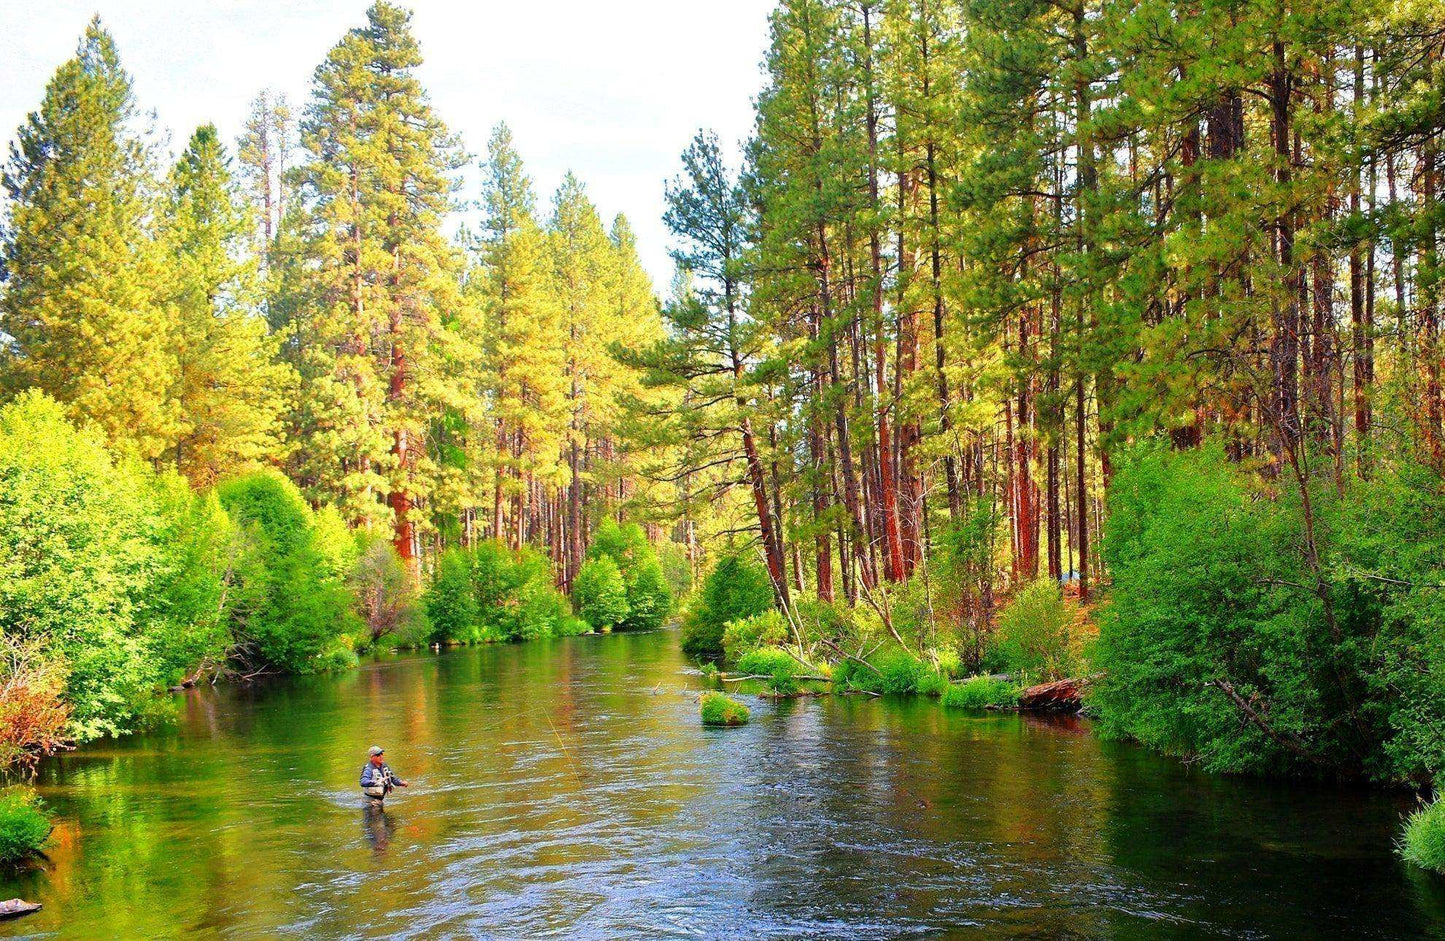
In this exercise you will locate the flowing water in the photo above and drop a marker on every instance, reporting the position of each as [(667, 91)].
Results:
[(566, 788)]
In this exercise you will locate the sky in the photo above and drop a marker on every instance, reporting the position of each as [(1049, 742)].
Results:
[(610, 90)]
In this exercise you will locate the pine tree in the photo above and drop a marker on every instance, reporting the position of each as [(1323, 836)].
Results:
[(81, 306), (524, 362), (229, 383), (380, 361)]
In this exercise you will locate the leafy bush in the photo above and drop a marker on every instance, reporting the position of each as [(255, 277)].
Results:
[(932, 683), (1423, 842), (779, 666), (647, 593), (600, 594), (489, 593), (894, 671), (1033, 636), (980, 692), (745, 635), (34, 717), (24, 824), (649, 600), (104, 565), (1215, 607), (289, 606), (387, 597), (722, 709), (451, 599), (737, 587)]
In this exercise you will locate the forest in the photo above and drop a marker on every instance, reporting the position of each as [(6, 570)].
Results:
[(1021, 341)]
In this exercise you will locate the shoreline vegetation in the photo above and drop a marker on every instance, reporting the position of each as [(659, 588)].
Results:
[(1027, 346)]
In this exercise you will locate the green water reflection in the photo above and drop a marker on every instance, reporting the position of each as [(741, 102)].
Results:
[(567, 788)]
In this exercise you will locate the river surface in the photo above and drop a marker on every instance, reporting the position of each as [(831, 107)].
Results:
[(566, 788)]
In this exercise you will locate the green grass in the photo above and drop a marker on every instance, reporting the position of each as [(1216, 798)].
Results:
[(722, 709), (1423, 842), (980, 693), (24, 824)]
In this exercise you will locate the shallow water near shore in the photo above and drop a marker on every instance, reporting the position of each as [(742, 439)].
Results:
[(566, 788)]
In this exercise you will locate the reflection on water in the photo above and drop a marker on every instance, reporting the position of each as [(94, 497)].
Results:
[(567, 788)]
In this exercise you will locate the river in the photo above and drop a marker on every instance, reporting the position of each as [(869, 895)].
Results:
[(566, 788)]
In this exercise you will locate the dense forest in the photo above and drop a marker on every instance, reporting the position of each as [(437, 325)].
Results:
[(997, 279), (255, 394), (1026, 341)]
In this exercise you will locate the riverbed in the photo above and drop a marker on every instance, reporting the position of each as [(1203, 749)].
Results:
[(566, 788)]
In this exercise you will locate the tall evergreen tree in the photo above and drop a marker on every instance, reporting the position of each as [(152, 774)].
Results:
[(81, 310), (230, 385)]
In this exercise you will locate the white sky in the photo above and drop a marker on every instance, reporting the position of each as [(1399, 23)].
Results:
[(611, 90)]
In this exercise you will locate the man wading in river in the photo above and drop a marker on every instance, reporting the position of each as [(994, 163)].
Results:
[(376, 777)]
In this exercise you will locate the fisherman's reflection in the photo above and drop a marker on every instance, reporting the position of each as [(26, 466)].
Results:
[(378, 826)]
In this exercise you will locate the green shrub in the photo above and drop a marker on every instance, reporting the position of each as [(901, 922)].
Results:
[(24, 824), (745, 635), (599, 593), (894, 671), (980, 692), (490, 593), (1033, 635), (901, 671), (722, 709), (113, 570), (737, 587), (779, 666), (387, 599), (949, 663), (451, 599), (1212, 593), (647, 593), (1423, 842), (649, 600), (933, 683), (288, 605)]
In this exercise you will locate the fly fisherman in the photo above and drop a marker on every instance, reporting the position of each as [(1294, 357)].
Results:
[(377, 779)]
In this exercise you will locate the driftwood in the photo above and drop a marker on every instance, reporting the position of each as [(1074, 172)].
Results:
[(14, 908), (1058, 696)]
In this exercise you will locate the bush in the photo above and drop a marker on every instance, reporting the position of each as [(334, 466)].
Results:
[(24, 824), (1033, 636), (1214, 602), (745, 635), (289, 606), (649, 600), (722, 709), (980, 692), (1423, 842), (779, 666), (451, 599), (489, 593), (933, 683), (737, 587), (105, 565), (600, 594), (648, 596), (894, 671), (387, 597), (33, 715)]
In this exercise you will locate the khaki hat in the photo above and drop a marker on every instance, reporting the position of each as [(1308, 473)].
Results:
[(375, 750)]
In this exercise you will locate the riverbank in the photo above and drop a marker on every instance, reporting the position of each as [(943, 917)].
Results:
[(565, 786)]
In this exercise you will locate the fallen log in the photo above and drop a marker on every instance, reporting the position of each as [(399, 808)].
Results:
[(14, 908), (1059, 696)]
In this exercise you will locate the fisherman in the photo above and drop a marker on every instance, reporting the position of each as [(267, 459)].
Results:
[(377, 779)]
